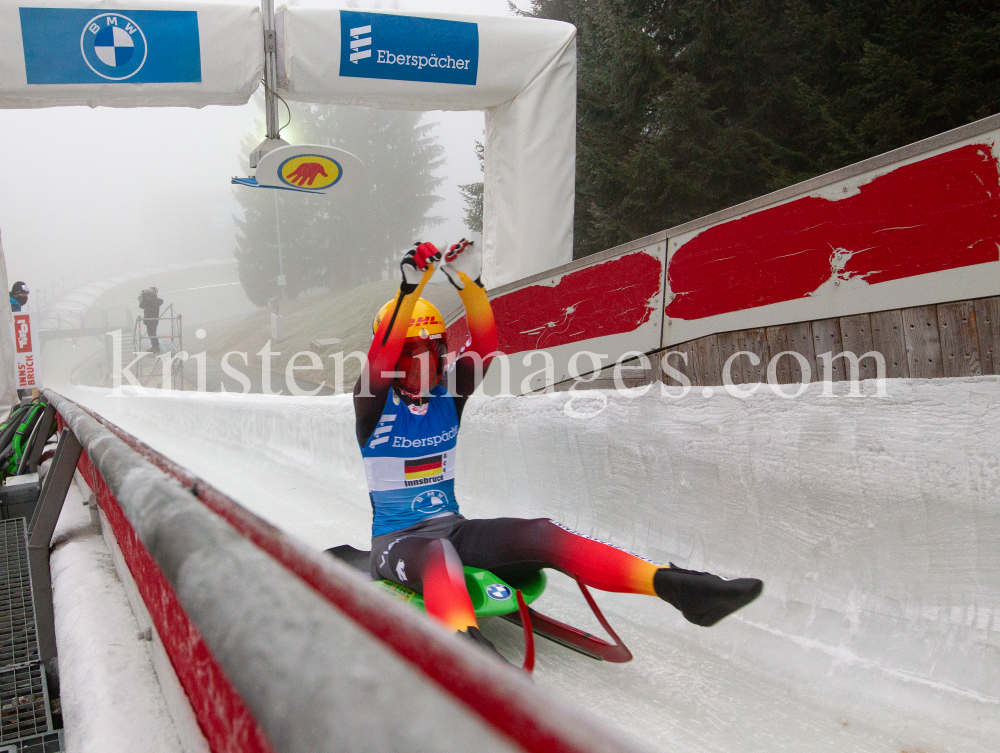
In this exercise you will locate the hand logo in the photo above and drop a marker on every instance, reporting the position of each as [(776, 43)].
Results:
[(306, 173)]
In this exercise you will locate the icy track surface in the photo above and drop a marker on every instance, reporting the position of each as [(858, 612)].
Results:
[(873, 521)]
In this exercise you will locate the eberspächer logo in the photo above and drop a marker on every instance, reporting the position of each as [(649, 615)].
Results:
[(408, 48), (113, 46)]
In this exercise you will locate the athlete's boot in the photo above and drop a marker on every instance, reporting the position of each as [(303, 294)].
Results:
[(473, 634), (703, 598)]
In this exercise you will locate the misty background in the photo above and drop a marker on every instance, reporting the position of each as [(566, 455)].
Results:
[(89, 195)]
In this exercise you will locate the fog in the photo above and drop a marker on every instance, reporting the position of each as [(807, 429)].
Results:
[(87, 194)]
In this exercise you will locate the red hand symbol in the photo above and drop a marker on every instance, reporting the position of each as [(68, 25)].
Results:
[(307, 172)]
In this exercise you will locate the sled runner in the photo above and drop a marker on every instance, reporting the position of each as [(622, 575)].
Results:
[(493, 596)]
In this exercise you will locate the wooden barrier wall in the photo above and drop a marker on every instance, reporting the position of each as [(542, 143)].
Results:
[(947, 340), (956, 339)]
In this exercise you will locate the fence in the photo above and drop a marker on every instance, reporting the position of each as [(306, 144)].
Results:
[(859, 259)]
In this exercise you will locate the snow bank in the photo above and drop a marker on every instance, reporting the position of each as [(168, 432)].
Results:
[(111, 698)]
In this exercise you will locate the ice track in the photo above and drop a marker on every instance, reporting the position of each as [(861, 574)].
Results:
[(874, 522)]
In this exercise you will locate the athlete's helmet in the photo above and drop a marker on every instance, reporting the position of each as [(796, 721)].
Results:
[(426, 322), (427, 328)]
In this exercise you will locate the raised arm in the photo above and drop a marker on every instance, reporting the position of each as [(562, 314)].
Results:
[(463, 270), (373, 386)]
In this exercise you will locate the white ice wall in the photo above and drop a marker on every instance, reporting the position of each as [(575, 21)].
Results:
[(873, 521)]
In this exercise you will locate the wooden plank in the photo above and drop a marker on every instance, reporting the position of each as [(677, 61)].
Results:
[(754, 341), (887, 339), (797, 338), (923, 343), (988, 324), (672, 356), (959, 339), (729, 343), (705, 364), (856, 336), (826, 339)]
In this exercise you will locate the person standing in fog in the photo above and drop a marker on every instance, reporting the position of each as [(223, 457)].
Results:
[(18, 296), (150, 302)]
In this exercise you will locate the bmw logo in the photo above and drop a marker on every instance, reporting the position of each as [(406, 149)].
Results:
[(113, 46), (429, 502), (498, 592)]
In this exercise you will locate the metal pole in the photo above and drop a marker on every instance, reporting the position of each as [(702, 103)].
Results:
[(270, 69), (272, 141), (43, 524), (36, 445), (281, 263)]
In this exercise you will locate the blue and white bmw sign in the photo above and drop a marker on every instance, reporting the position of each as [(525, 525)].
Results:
[(121, 46), (113, 46), (498, 592)]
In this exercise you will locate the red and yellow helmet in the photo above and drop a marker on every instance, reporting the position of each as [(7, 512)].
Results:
[(426, 322)]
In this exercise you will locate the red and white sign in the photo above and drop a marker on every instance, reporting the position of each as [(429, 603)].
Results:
[(27, 353)]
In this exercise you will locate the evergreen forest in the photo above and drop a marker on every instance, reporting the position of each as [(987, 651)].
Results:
[(686, 107)]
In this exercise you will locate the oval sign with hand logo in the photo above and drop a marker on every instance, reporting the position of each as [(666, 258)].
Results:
[(310, 171), (310, 168)]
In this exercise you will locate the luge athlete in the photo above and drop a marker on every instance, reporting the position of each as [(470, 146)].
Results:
[(407, 426)]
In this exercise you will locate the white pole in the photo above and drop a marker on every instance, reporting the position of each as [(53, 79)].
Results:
[(281, 264)]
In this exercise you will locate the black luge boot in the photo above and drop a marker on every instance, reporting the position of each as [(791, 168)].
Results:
[(473, 634), (703, 598)]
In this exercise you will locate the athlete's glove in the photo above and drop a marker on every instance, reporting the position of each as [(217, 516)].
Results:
[(415, 263), (461, 257)]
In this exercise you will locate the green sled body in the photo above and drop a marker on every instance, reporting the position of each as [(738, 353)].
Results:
[(491, 596)]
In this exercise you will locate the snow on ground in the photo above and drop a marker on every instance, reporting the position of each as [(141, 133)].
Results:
[(111, 699), (874, 522)]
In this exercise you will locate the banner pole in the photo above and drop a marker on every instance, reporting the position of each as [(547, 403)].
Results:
[(270, 39)]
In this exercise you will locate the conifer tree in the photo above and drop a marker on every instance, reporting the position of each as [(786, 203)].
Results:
[(686, 107), (333, 240)]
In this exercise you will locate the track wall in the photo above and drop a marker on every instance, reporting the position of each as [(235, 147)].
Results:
[(800, 270), (872, 520), (280, 648)]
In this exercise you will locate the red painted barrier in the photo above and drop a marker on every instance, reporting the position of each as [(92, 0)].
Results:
[(607, 298), (929, 210), (928, 216)]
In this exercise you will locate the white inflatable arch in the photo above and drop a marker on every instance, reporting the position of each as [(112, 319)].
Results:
[(521, 72)]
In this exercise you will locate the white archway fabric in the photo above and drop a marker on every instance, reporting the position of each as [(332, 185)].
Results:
[(520, 71), (173, 53), (525, 81)]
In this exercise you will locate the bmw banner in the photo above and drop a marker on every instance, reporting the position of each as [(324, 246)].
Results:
[(129, 53), (77, 46)]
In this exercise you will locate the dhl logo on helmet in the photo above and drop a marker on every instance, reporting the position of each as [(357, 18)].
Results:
[(426, 322)]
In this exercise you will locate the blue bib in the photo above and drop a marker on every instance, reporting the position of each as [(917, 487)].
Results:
[(410, 462)]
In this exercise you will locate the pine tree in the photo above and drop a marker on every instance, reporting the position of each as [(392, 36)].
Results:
[(472, 194), (686, 107), (333, 240)]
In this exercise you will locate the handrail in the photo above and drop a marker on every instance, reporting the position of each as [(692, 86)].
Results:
[(159, 500)]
